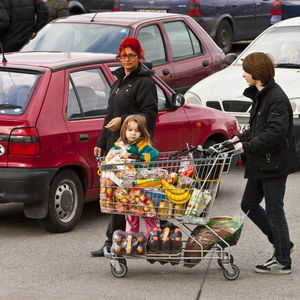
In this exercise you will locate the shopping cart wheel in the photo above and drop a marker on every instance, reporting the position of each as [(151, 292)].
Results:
[(220, 262), (119, 269), (233, 274)]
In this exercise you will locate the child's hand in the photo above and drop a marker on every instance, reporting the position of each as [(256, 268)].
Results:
[(114, 124), (97, 151)]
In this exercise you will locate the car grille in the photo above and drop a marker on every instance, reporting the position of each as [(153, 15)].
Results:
[(230, 105), (214, 104)]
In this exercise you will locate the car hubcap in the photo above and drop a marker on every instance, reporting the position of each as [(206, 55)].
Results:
[(66, 201)]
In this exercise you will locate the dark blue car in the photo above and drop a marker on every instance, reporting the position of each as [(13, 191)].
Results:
[(226, 21), (285, 9)]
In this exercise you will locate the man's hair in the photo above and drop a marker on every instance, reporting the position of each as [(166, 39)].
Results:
[(260, 66), (142, 127)]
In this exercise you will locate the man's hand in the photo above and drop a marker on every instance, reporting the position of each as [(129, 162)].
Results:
[(114, 124)]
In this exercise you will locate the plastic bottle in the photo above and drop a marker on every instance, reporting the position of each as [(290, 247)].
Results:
[(154, 243), (118, 242), (139, 247), (176, 245), (176, 240)]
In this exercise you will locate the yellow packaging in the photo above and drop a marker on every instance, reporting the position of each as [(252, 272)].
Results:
[(165, 210)]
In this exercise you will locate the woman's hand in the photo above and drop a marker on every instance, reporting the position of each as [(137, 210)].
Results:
[(114, 124), (235, 139), (238, 146), (98, 151)]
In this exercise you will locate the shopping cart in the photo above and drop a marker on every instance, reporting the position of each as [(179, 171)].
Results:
[(181, 186)]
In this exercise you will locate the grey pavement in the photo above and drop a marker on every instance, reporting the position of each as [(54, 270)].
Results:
[(39, 265)]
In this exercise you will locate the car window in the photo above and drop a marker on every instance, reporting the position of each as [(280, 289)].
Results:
[(152, 42), (88, 94), (286, 50), (183, 41), (15, 91), (162, 99), (79, 38)]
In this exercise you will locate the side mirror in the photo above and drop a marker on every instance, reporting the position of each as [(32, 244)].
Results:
[(229, 58), (177, 100)]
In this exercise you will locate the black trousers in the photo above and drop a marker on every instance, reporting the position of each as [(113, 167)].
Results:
[(271, 219)]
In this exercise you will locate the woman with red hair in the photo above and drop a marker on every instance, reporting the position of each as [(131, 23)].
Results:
[(134, 92)]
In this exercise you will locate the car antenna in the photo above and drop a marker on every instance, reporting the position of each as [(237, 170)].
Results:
[(92, 20), (4, 60)]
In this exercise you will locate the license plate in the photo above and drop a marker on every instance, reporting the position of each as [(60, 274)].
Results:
[(243, 127), (154, 10)]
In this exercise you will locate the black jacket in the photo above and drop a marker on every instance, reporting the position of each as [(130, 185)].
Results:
[(25, 18), (4, 19), (57, 8), (136, 94), (269, 143)]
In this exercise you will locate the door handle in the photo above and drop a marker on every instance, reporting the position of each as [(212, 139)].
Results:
[(83, 137), (166, 71), (205, 63)]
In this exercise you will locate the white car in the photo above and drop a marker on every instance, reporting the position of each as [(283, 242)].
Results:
[(224, 89)]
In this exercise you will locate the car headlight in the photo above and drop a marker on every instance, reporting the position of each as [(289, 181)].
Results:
[(295, 102), (192, 98)]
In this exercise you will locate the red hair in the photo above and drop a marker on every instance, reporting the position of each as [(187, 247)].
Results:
[(134, 45)]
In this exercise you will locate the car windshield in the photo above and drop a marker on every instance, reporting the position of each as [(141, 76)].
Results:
[(282, 43), (78, 38), (15, 91)]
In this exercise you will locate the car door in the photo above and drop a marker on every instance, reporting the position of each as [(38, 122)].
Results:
[(172, 130), (152, 42), (263, 10), (191, 61), (88, 93), (243, 13)]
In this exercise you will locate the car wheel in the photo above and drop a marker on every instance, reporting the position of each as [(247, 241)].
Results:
[(65, 202), (224, 36)]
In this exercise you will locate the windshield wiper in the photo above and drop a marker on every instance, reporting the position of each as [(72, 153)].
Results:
[(288, 65), (9, 106)]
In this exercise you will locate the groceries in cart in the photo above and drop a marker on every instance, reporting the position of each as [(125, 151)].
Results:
[(176, 185), (166, 188), (221, 231)]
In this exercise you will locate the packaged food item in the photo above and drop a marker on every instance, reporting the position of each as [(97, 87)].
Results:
[(198, 203), (178, 209), (165, 210), (202, 238)]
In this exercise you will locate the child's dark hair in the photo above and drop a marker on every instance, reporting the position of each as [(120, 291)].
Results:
[(142, 126)]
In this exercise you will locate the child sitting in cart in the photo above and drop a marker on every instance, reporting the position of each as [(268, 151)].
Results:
[(135, 136)]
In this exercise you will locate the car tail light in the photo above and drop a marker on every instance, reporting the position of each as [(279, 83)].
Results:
[(116, 5), (24, 141), (276, 8), (194, 8)]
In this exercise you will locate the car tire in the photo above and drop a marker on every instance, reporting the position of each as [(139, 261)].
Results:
[(65, 202), (224, 36)]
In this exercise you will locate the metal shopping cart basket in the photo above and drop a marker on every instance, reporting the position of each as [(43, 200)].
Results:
[(181, 186)]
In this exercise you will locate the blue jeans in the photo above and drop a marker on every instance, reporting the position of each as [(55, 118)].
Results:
[(271, 220)]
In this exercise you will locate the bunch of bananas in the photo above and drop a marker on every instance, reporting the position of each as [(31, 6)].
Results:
[(177, 196)]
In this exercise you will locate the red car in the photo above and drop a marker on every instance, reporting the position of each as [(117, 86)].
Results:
[(181, 52), (52, 108)]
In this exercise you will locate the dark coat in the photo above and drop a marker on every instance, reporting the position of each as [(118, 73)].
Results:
[(136, 94), (25, 18), (269, 143), (4, 19), (57, 9)]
